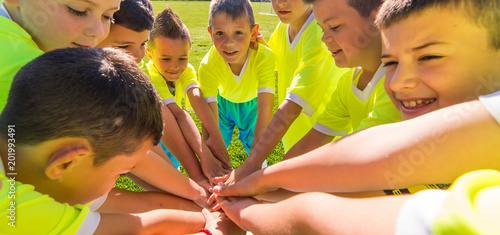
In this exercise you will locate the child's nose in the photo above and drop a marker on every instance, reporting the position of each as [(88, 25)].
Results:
[(97, 29), (281, 2), (404, 77)]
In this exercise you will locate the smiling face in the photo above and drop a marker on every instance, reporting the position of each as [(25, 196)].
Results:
[(231, 38), (129, 40), (352, 39), (55, 24), (170, 56), (432, 65)]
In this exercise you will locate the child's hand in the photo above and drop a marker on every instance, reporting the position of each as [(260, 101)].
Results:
[(237, 174), (218, 223), (254, 44), (212, 168), (219, 150), (237, 208), (248, 186)]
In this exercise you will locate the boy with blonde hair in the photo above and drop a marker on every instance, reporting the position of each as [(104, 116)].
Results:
[(24, 36), (236, 81)]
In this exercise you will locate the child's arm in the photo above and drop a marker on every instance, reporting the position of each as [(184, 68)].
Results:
[(151, 222), (315, 213), (157, 172), (311, 141), (265, 103), (195, 141), (433, 148), (209, 116), (287, 112)]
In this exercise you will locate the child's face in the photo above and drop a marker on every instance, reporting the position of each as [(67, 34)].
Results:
[(232, 38), (352, 39), (435, 59), (55, 24), (87, 182), (170, 57), (124, 38), (290, 10)]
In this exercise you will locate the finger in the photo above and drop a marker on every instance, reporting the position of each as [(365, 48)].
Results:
[(220, 179), (211, 199)]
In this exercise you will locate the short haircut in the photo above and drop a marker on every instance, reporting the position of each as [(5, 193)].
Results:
[(363, 7), (136, 15), (233, 9), (168, 24), (484, 13), (99, 94)]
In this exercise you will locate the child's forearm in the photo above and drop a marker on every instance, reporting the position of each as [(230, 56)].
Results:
[(164, 176), (281, 121), (312, 140), (265, 103), (152, 222), (207, 114)]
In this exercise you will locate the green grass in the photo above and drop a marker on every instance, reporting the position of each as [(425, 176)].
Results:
[(195, 15)]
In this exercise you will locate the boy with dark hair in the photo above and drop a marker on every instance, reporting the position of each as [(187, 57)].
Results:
[(359, 101), (130, 28), (236, 80), (97, 115)]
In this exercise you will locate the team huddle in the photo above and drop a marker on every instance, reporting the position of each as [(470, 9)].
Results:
[(388, 112)]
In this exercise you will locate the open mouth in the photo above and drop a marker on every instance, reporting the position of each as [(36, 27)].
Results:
[(284, 12), (414, 104), (230, 53)]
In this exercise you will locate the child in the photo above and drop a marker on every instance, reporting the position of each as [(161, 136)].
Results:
[(172, 75), (74, 155), (25, 36), (306, 77), (422, 76), (360, 100), (236, 81), (130, 28)]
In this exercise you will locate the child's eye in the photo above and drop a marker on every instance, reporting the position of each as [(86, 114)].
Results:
[(238, 32), (122, 47), (219, 33), (77, 13), (335, 28), (183, 59), (390, 63), (166, 59), (430, 57), (109, 18)]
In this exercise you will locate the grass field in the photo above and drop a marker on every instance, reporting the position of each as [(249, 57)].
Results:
[(195, 15)]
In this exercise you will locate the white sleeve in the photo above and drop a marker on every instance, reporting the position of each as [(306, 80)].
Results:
[(89, 224), (419, 211), (94, 205), (492, 104)]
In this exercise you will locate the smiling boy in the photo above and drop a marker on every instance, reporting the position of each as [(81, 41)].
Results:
[(29, 28)]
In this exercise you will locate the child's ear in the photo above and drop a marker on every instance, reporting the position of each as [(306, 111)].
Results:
[(149, 54), (210, 32), (66, 157), (255, 32)]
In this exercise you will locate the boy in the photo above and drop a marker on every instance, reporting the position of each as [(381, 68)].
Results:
[(172, 75), (306, 77), (429, 66), (130, 28), (74, 155), (24, 36), (359, 91), (236, 81)]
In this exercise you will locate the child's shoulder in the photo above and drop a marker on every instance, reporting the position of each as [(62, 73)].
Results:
[(212, 57)]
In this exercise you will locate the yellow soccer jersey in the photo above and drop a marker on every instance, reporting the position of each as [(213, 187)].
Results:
[(17, 49), (27, 211), (257, 76), (307, 74), (182, 85), (349, 106)]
